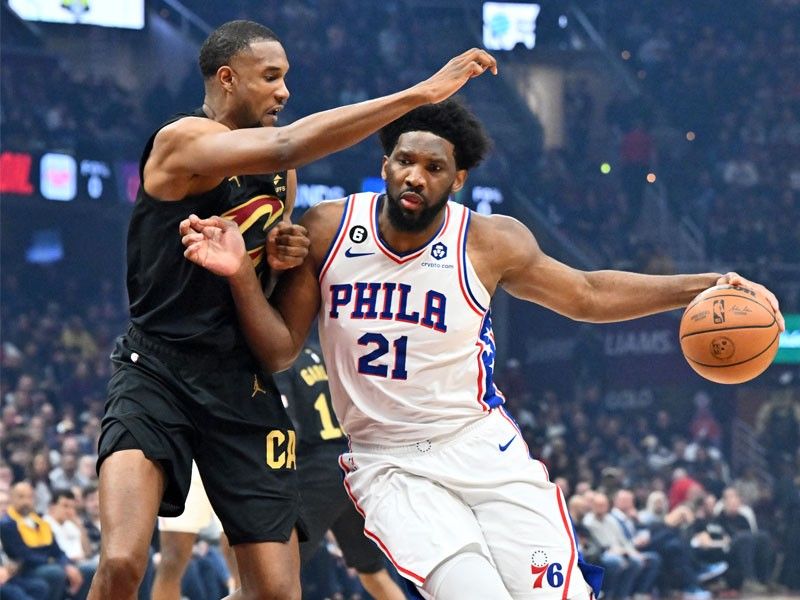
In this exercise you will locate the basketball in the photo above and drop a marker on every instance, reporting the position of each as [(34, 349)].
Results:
[(729, 334)]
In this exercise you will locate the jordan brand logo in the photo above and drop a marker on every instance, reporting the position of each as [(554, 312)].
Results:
[(504, 447), (257, 386)]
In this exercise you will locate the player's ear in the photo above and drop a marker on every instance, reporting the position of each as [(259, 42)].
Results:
[(383, 167), (460, 180), (225, 77)]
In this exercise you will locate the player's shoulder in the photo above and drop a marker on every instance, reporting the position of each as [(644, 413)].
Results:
[(187, 128), (324, 215), (494, 228), (497, 242), (322, 223)]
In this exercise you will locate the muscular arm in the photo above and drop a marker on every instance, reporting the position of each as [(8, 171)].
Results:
[(193, 154), (505, 253)]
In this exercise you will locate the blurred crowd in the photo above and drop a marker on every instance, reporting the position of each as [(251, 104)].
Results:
[(715, 121)]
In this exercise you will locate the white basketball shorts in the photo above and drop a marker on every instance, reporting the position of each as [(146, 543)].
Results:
[(477, 488)]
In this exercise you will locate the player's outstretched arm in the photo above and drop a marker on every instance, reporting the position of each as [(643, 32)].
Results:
[(517, 263), (196, 147)]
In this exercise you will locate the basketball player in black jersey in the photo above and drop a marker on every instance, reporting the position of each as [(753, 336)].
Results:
[(185, 386), (320, 441)]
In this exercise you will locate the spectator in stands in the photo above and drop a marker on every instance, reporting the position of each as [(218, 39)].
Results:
[(656, 530), (28, 540), (628, 571), (39, 477), (91, 522), (684, 488), (65, 476), (751, 555), (12, 587), (71, 536)]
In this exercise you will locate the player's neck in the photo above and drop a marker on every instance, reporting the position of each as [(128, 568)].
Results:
[(216, 114)]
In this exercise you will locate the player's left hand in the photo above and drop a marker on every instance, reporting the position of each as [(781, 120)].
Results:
[(732, 278), (287, 246)]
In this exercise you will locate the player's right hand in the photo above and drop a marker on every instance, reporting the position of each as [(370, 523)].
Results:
[(215, 244), (452, 77)]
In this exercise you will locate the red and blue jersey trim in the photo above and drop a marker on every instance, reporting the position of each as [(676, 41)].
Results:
[(489, 396), (336, 242), (463, 280), (401, 257)]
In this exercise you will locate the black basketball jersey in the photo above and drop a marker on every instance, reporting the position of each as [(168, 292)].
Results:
[(305, 387), (174, 299)]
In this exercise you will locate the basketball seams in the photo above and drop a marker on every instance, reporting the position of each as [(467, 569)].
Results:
[(741, 297), (697, 362), (732, 328)]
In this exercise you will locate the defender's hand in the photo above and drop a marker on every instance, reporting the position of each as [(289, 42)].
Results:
[(732, 278), (452, 77), (287, 246), (215, 244)]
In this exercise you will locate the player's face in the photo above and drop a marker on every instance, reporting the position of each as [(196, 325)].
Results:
[(258, 84), (420, 175)]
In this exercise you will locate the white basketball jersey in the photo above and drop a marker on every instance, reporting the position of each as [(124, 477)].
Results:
[(407, 337)]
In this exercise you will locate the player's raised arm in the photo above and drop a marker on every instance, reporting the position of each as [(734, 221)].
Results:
[(508, 250), (201, 147)]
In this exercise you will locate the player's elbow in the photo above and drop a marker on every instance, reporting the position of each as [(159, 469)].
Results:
[(280, 358)]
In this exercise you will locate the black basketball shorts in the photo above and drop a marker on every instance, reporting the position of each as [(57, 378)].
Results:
[(223, 412), (327, 506)]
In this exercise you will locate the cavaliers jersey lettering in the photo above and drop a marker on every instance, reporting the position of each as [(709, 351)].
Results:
[(171, 297), (409, 334), (307, 398)]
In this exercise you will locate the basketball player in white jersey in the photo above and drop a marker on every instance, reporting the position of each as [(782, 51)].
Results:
[(401, 283)]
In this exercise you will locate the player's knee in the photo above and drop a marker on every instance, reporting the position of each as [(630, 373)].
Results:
[(172, 564), (467, 575), (284, 588), (124, 570)]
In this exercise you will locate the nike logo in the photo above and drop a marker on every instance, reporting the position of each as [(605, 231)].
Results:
[(504, 447), (350, 254)]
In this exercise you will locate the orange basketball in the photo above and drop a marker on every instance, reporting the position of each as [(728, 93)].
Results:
[(729, 334)]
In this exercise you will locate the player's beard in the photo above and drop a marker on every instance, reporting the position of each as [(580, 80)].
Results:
[(408, 221)]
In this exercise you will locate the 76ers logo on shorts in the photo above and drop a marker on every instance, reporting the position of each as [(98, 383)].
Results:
[(545, 572)]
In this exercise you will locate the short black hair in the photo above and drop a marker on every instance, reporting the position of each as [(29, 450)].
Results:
[(61, 493), (229, 39), (450, 120)]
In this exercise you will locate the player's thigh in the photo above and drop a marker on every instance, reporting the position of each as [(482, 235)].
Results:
[(130, 486), (522, 515), (530, 537), (416, 522), (360, 552), (269, 569)]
